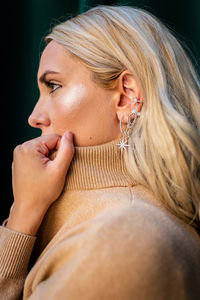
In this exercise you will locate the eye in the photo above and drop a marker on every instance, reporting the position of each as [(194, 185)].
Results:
[(53, 86)]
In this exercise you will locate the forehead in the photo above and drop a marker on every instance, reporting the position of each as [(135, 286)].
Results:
[(54, 57)]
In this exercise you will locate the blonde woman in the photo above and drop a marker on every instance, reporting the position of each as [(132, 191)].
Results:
[(106, 200)]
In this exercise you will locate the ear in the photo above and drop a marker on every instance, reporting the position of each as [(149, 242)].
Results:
[(128, 89)]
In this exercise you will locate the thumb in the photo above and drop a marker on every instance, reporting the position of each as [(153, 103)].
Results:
[(65, 151)]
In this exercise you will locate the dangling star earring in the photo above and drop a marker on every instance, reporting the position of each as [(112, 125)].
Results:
[(126, 133), (123, 143)]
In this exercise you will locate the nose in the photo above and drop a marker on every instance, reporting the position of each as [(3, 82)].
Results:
[(38, 119)]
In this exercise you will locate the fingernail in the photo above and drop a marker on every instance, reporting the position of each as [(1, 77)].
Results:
[(69, 135)]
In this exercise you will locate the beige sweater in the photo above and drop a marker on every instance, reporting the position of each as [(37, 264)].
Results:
[(104, 238)]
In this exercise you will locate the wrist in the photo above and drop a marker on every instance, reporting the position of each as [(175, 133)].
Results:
[(25, 221)]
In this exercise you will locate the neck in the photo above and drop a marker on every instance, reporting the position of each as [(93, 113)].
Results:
[(97, 166)]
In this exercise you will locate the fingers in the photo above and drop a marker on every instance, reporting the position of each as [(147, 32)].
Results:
[(65, 152), (49, 140), (43, 144)]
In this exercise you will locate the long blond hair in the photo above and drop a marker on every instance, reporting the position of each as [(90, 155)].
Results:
[(165, 143)]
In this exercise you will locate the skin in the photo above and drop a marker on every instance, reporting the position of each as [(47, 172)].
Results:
[(76, 103), (71, 110)]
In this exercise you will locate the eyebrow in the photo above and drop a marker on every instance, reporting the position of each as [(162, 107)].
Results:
[(42, 78)]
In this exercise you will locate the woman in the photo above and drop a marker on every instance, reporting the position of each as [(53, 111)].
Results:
[(119, 114)]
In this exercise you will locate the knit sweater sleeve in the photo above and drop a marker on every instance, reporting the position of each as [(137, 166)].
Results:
[(15, 251)]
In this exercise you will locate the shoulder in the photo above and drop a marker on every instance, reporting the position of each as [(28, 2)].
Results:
[(137, 225), (150, 247), (131, 252), (144, 221)]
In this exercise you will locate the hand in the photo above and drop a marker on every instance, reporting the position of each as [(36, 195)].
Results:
[(37, 180)]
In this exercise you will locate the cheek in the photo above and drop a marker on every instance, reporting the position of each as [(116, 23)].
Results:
[(70, 105), (74, 98)]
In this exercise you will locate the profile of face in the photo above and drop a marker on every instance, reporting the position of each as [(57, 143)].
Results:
[(71, 100)]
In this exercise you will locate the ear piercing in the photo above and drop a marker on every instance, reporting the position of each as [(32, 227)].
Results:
[(126, 133)]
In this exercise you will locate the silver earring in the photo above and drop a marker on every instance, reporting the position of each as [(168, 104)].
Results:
[(126, 132)]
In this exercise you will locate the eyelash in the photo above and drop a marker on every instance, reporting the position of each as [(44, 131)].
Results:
[(51, 85)]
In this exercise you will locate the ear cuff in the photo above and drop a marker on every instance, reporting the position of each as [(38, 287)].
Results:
[(126, 132)]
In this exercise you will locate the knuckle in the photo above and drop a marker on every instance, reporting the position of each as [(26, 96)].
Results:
[(27, 146), (17, 149)]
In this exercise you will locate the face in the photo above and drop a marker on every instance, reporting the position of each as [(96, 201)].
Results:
[(71, 100)]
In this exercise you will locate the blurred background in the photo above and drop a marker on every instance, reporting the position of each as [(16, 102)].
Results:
[(24, 23)]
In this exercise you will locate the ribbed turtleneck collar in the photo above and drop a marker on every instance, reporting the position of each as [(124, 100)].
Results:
[(97, 166)]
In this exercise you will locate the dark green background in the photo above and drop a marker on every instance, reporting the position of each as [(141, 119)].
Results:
[(23, 25)]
